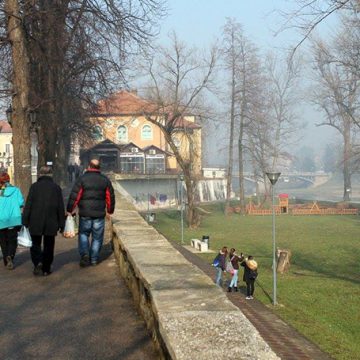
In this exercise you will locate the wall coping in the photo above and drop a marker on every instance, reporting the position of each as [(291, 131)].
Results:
[(188, 315)]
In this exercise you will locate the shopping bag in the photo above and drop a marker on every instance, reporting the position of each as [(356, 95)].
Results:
[(69, 230), (24, 237), (229, 267)]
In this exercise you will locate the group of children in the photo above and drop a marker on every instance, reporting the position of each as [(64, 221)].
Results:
[(226, 261)]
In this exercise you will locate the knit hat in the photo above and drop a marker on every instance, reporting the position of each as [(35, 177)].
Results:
[(4, 178)]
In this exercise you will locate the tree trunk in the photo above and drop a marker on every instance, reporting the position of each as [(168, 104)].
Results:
[(231, 140), (241, 167), (346, 160), (62, 159), (20, 101)]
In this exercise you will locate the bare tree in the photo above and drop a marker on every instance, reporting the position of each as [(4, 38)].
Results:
[(241, 62), (230, 53), (283, 96), (179, 77), (310, 13), (337, 95)]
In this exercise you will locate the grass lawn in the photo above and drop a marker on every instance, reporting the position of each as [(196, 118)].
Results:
[(320, 295)]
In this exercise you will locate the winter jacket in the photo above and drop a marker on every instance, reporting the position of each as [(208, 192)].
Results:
[(235, 259), (92, 193), (11, 200), (220, 259), (250, 270), (44, 212)]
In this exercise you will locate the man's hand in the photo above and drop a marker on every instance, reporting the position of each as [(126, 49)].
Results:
[(69, 214)]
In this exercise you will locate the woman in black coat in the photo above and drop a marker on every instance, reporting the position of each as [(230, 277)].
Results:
[(44, 215), (250, 274)]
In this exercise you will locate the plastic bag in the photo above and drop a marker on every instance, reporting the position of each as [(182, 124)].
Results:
[(24, 237), (229, 267), (69, 230)]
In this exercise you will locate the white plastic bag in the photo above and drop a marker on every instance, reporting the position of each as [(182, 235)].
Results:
[(24, 237), (69, 230)]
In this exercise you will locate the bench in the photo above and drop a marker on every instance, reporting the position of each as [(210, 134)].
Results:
[(199, 245)]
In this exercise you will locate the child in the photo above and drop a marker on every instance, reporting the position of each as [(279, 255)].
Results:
[(250, 274)]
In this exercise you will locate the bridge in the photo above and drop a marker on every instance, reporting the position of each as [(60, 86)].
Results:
[(314, 178)]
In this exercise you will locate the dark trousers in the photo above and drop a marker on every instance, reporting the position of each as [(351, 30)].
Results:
[(8, 242), (45, 256), (250, 287)]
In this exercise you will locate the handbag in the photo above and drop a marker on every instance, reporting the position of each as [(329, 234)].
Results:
[(69, 229), (24, 237), (229, 267)]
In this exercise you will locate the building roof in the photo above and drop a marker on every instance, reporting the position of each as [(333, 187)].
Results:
[(125, 103), (129, 103), (5, 127)]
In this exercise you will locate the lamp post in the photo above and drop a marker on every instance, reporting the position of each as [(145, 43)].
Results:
[(273, 177), (182, 208), (9, 112)]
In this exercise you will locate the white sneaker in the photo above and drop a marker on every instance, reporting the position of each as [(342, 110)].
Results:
[(248, 298)]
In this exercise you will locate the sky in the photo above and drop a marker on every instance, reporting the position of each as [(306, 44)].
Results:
[(199, 23)]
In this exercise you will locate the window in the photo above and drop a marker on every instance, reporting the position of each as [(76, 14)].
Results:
[(98, 133), (132, 163), (146, 133), (7, 148), (155, 164), (122, 133)]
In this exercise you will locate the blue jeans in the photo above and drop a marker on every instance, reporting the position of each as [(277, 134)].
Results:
[(95, 227), (218, 279)]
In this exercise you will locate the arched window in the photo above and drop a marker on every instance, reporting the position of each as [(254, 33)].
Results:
[(98, 133), (146, 133), (122, 133)]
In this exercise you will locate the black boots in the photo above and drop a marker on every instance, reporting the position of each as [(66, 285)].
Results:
[(229, 289), (235, 287)]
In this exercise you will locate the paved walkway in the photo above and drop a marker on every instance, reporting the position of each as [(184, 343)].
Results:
[(72, 314), (284, 340)]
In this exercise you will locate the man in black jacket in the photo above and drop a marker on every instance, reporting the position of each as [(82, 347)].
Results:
[(44, 215), (93, 194)]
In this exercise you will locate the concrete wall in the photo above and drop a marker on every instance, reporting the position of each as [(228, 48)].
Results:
[(188, 316)]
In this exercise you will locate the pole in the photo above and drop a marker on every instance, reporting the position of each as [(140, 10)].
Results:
[(148, 199), (274, 246), (182, 212)]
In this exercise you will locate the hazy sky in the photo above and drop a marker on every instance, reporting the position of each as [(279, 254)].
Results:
[(199, 23)]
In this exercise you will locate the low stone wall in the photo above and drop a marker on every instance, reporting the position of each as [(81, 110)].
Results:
[(188, 316)]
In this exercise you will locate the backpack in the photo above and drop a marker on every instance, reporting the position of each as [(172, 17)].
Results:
[(216, 261)]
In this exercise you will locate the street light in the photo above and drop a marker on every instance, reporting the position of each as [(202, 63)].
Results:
[(32, 117), (9, 112), (273, 177), (182, 208)]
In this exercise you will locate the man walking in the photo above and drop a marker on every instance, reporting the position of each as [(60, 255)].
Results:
[(44, 215), (94, 195)]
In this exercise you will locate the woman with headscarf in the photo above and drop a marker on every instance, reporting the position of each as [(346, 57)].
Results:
[(250, 274), (11, 202)]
